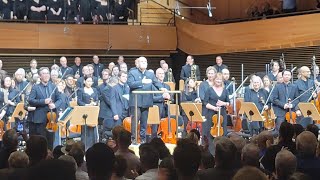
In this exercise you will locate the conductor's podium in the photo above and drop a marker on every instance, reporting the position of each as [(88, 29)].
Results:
[(135, 148)]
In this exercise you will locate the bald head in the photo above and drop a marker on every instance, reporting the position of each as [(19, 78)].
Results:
[(238, 141), (286, 164), (143, 63), (306, 143), (305, 72), (63, 61)]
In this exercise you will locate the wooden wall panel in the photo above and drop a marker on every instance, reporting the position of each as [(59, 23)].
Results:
[(277, 33), (58, 36)]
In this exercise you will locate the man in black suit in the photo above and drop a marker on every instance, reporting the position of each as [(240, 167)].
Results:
[(45, 97), (120, 106), (141, 80), (77, 68), (64, 69), (186, 69), (219, 66), (98, 67), (225, 158)]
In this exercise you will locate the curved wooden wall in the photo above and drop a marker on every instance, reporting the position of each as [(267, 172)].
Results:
[(72, 36), (295, 31)]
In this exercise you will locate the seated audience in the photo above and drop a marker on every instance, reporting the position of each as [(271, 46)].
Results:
[(207, 160), (37, 10), (149, 159), (78, 154), (69, 159), (286, 164), (250, 155), (298, 128), (264, 140), (160, 147), (119, 168), (167, 170), (251, 173), (57, 152), (10, 144), (37, 149), (314, 129)]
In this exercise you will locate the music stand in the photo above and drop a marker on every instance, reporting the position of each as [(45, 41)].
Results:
[(251, 110), (85, 115), (181, 85), (153, 115), (172, 85), (309, 110), (192, 111), (19, 108)]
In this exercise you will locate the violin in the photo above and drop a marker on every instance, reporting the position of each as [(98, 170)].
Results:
[(52, 125), (217, 129), (269, 122), (168, 128), (291, 116)]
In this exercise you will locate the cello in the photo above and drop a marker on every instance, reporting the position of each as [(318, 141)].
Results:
[(269, 122), (217, 129), (168, 128), (291, 116)]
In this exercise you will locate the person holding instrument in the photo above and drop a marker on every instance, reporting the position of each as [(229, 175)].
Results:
[(186, 69), (281, 96), (274, 71), (216, 97), (258, 95), (88, 96), (44, 97)]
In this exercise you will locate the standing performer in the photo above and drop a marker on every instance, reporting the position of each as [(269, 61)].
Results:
[(256, 94), (280, 96), (216, 97), (186, 69), (219, 66), (275, 71), (141, 80), (32, 71), (304, 83), (44, 97)]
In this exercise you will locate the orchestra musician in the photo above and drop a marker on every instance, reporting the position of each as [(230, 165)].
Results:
[(9, 94), (54, 76), (88, 96), (316, 72), (86, 73), (159, 100), (219, 66), (304, 83), (267, 83), (279, 77), (33, 70), (77, 68), (274, 71), (20, 79), (258, 95), (123, 67), (119, 104), (44, 97), (280, 96), (141, 80), (226, 81), (186, 69), (215, 97), (166, 70), (97, 67), (70, 89), (115, 71), (189, 94), (64, 69)]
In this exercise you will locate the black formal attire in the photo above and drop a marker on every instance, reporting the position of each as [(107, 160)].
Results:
[(105, 113), (103, 10), (186, 72), (61, 107), (98, 68), (33, 15), (221, 67), (272, 77), (66, 71), (280, 95), (6, 9), (72, 10), (80, 82), (211, 97), (309, 165), (120, 105), (85, 10), (11, 94), (55, 5), (39, 93), (20, 8), (83, 99), (77, 70), (121, 10), (144, 100), (258, 98)]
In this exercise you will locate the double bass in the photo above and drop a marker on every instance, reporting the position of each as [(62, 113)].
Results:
[(217, 129)]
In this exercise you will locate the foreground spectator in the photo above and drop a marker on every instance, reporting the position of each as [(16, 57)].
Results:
[(78, 154), (119, 168), (10, 143), (149, 159), (37, 149), (249, 173), (286, 164), (100, 160)]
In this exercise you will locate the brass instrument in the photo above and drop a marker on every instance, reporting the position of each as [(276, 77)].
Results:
[(194, 72), (169, 75)]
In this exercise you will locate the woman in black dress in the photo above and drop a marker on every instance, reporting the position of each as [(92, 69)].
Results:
[(55, 10), (88, 96), (85, 10), (104, 11), (120, 12), (20, 9), (215, 97), (72, 10)]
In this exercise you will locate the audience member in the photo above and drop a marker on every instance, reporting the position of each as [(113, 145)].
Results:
[(78, 154), (239, 142), (57, 152), (18, 162), (264, 140), (298, 128), (37, 149), (100, 160), (250, 155), (149, 159), (207, 160), (286, 133), (119, 168), (225, 157), (160, 146), (314, 129), (167, 170), (299, 176), (251, 173), (70, 159), (10, 144), (187, 157), (308, 163), (286, 164)]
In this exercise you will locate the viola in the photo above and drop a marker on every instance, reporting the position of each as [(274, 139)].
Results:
[(217, 129), (290, 115), (168, 128), (269, 122), (52, 125)]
